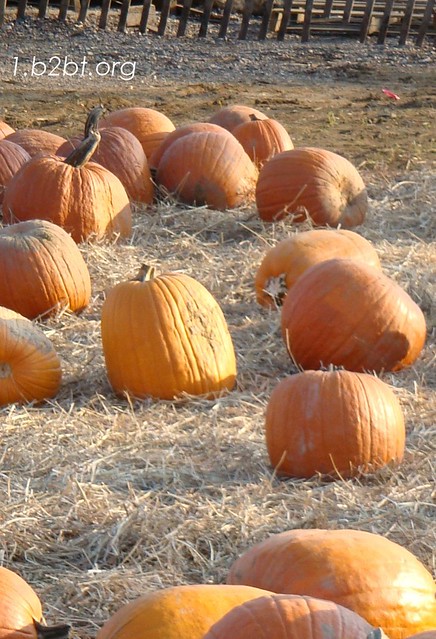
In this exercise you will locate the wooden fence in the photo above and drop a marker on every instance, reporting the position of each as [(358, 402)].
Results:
[(349, 18)]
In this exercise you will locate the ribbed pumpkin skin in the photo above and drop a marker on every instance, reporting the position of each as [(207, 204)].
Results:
[(380, 580), (19, 606), (12, 158), (262, 139), (311, 183), (121, 153), (333, 422), (289, 617), (291, 257), (43, 270), (36, 141), (349, 314), (208, 169), (5, 129), (165, 337), (231, 116), (30, 368), (179, 132), (180, 612), (83, 200), (148, 125)]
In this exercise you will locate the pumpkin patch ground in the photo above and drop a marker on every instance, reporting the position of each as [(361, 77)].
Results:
[(106, 498)]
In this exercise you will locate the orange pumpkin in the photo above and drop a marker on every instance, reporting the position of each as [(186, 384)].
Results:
[(311, 184), (210, 169), (262, 138), (30, 368), (148, 125), (376, 578), (164, 336), (229, 117), (82, 197), (430, 634), (346, 313), (121, 153), (12, 158), (46, 268), (180, 612), (5, 129), (283, 264), (36, 141), (289, 617), (333, 422)]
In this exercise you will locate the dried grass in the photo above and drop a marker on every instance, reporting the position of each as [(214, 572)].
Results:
[(104, 499)]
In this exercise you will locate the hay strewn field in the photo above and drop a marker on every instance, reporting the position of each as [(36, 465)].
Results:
[(104, 499)]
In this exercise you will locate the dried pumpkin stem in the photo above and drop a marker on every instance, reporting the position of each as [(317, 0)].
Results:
[(83, 153), (145, 273), (60, 631), (5, 370)]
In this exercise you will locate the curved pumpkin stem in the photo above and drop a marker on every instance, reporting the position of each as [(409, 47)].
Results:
[(145, 273), (254, 118), (82, 154), (60, 631)]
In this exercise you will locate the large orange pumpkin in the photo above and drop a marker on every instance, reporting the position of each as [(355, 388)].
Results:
[(232, 115), (346, 313), (289, 617), (12, 158), (283, 264), (377, 578), (210, 169), (36, 141), (42, 269), (21, 611), (81, 196), (333, 422), (263, 138), (179, 612), (311, 184), (164, 336), (5, 129), (30, 369)]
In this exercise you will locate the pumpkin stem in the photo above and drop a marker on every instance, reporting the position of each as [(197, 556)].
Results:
[(60, 631), (82, 154), (145, 273), (254, 118), (377, 633)]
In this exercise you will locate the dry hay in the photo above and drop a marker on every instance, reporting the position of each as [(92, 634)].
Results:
[(104, 499)]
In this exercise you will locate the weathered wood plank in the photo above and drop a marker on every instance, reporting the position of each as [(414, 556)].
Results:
[(105, 6), (348, 10), (63, 10), (287, 8), (164, 13), (207, 10), (84, 6), (246, 15), (366, 20), (407, 19), (184, 16), (428, 13), (2, 12), (42, 9), (385, 21), (327, 9), (123, 16), (225, 19), (21, 11), (267, 11), (305, 34)]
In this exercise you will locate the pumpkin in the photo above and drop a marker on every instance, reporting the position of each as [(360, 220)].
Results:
[(36, 141), (43, 270), (209, 169), (262, 138), (164, 336), (283, 264), (229, 117), (187, 129), (179, 612), (346, 313), (30, 368), (376, 578), (337, 423), (148, 125), (82, 197), (289, 617), (5, 129), (121, 153), (430, 634), (12, 158), (311, 184)]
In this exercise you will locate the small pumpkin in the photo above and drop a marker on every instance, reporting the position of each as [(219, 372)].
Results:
[(179, 612), (346, 313), (30, 369), (289, 617), (148, 125), (376, 578), (36, 141), (164, 336), (311, 184), (5, 129), (262, 138), (336, 423), (229, 117), (43, 270), (12, 158), (209, 169), (283, 264), (82, 197), (21, 611)]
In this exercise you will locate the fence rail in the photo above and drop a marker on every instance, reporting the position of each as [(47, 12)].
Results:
[(350, 18)]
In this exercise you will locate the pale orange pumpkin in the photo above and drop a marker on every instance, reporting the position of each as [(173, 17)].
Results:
[(5, 129), (262, 138), (373, 576), (36, 141), (232, 115), (12, 158)]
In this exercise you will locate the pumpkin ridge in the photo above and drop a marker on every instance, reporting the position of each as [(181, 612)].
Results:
[(42, 248)]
